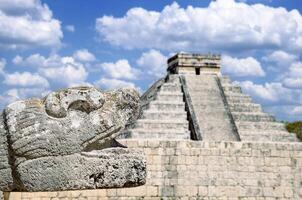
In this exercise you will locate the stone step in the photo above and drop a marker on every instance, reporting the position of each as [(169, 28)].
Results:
[(206, 98), (167, 105), (170, 97), (199, 107), (225, 80), (204, 92), (160, 133), (237, 98), (243, 125), (213, 124), (169, 83), (170, 87), (245, 107), (201, 83), (174, 78), (201, 78), (252, 116), (263, 136), (211, 115), (170, 93), (231, 88), (162, 124), (155, 114)]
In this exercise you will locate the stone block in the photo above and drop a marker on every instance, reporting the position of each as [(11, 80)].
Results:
[(67, 172), (152, 191)]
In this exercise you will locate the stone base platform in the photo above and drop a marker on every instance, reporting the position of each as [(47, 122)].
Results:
[(205, 170)]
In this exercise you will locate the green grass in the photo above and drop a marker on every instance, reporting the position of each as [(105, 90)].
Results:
[(295, 127)]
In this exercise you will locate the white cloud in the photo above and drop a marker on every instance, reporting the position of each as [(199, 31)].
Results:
[(224, 25), (34, 60), (84, 55), (62, 71), (2, 66), (121, 69), (281, 58), (70, 73), (70, 28), (15, 94), (25, 79), (241, 67), (27, 24), (297, 110), (17, 60), (153, 62), (293, 78), (38, 61), (113, 83), (269, 92)]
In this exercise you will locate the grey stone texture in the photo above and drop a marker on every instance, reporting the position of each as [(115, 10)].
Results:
[(205, 170), (107, 168), (6, 180), (49, 140), (221, 110), (252, 123), (163, 114), (210, 109), (194, 101)]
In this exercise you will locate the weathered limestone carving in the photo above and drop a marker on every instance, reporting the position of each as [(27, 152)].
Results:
[(66, 141)]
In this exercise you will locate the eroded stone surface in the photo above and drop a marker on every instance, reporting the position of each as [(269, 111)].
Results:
[(6, 179), (113, 167), (47, 138)]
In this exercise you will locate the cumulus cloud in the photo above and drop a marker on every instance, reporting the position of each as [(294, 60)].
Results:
[(272, 92), (106, 83), (217, 26), (15, 94), (293, 78), (121, 69), (27, 24), (62, 71), (2, 65), (37, 60), (241, 67), (153, 62), (84, 55), (70, 73), (70, 28), (49, 73), (297, 110), (25, 79), (281, 58)]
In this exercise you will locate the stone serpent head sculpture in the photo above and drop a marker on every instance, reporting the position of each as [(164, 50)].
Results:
[(66, 141)]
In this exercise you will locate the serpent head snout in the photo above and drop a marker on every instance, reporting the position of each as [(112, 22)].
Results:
[(86, 99)]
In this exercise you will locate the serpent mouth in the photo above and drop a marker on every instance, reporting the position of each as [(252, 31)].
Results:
[(97, 144)]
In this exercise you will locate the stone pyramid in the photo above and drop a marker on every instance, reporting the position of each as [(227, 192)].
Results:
[(194, 101)]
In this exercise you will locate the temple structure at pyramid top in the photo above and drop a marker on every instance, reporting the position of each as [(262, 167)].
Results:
[(195, 101), (185, 63)]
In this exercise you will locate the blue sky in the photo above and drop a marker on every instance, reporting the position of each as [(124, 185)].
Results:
[(49, 44)]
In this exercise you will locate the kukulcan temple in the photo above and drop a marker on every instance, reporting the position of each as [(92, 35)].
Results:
[(201, 136)]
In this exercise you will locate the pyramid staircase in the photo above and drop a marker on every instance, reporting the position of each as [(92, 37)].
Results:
[(194, 101), (252, 123), (211, 112), (163, 115)]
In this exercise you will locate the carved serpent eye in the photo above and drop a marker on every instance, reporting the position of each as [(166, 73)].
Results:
[(85, 99)]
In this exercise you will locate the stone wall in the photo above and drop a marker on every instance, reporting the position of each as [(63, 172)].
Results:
[(206, 170)]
